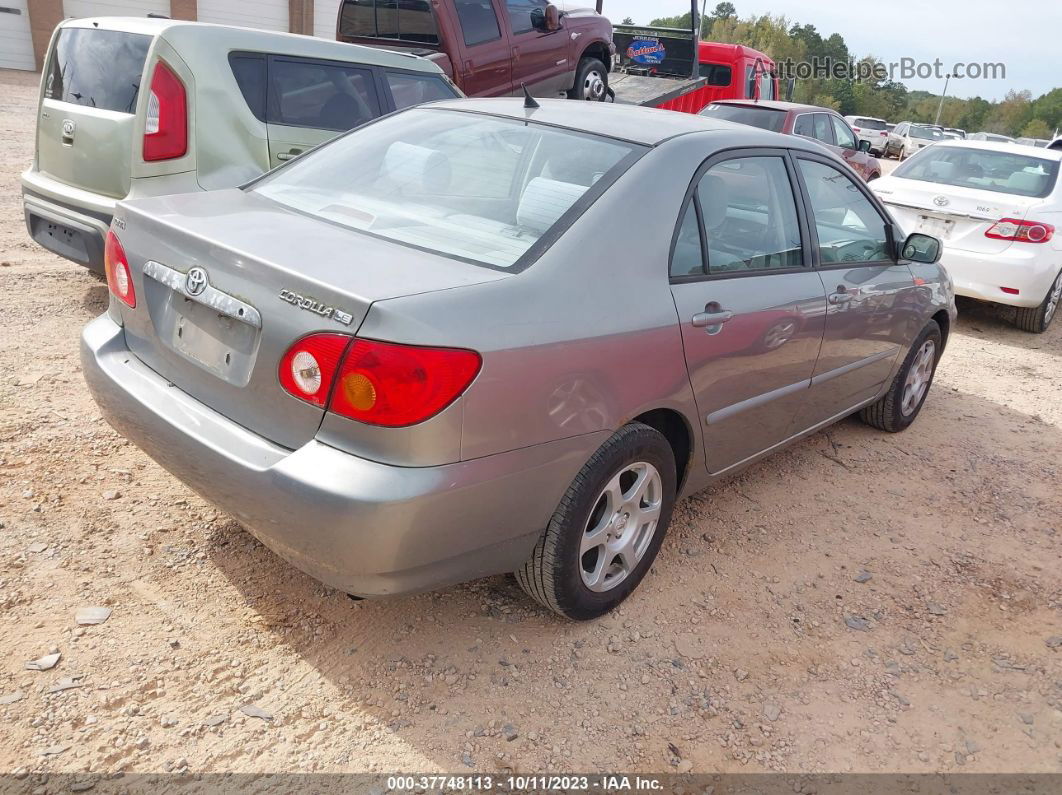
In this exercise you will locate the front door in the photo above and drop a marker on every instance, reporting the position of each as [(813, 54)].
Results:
[(310, 102), (867, 291), (750, 306), (540, 59), (486, 66)]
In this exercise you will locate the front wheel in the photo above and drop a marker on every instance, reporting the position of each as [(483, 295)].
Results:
[(609, 525), (1037, 318), (591, 81), (901, 404)]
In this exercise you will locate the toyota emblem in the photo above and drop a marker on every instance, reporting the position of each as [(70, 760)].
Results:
[(941, 201), (195, 282)]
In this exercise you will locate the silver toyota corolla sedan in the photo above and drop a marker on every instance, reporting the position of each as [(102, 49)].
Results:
[(474, 338)]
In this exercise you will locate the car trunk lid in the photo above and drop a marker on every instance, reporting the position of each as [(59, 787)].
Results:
[(87, 117), (272, 276)]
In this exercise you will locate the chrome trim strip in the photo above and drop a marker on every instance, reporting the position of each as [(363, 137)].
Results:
[(220, 302), (829, 375), (753, 402)]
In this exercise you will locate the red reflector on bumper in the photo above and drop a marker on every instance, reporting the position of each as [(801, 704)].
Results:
[(1010, 290)]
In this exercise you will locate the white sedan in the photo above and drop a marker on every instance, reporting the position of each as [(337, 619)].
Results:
[(998, 210)]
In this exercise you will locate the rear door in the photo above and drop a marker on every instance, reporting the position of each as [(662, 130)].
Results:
[(868, 292), (485, 56), (87, 117), (311, 101), (750, 305)]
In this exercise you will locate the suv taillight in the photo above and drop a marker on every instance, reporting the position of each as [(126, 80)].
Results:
[(119, 277), (166, 126), (1021, 231), (378, 383)]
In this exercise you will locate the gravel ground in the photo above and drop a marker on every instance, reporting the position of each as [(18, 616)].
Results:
[(859, 602)]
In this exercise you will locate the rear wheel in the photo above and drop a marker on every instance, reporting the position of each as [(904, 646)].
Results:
[(609, 525), (591, 81), (901, 404), (1037, 318)]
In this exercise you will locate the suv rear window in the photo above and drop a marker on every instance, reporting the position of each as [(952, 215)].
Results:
[(982, 169), (97, 68), (870, 124), (405, 20), (764, 118)]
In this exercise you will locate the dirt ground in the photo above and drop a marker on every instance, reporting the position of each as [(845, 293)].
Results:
[(735, 655)]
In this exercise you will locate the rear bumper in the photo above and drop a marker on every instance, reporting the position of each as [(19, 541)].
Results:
[(366, 528), (1027, 268), (65, 230)]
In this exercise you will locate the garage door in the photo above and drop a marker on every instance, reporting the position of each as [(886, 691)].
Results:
[(114, 8), (267, 14), (325, 13), (16, 46)]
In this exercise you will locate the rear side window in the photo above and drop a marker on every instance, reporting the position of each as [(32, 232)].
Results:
[(97, 68), (404, 20), (409, 89), (823, 128), (718, 74), (764, 118), (250, 73), (323, 96), (479, 23)]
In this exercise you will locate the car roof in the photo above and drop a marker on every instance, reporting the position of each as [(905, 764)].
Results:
[(775, 104), (1000, 146), (868, 118), (633, 123), (186, 36)]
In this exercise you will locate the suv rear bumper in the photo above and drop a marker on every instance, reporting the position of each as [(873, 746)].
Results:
[(72, 231), (366, 528)]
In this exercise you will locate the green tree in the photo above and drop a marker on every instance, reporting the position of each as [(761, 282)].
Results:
[(1037, 128), (627, 21)]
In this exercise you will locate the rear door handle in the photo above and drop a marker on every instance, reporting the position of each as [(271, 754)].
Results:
[(707, 319), (289, 154)]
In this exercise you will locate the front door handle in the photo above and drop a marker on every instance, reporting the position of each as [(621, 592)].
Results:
[(840, 298), (713, 315), (289, 154)]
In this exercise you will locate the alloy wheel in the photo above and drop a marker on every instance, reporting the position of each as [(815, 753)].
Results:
[(918, 378), (1053, 299)]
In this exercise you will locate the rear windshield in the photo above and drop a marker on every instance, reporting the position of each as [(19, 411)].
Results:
[(765, 118), (477, 188), (927, 133), (406, 20), (983, 169), (870, 124), (97, 68)]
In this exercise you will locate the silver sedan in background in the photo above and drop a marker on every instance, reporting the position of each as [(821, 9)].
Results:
[(475, 338)]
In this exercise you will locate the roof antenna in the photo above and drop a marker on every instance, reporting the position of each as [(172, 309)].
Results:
[(529, 101)]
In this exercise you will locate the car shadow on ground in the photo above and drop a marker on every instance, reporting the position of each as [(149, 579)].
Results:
[(995, 323), (749, 599)]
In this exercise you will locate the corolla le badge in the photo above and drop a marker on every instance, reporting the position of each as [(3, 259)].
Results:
[(195, 282), (315, 306), (941, 201)]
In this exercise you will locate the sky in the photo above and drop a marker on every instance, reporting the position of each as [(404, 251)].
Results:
[(1024, 35)]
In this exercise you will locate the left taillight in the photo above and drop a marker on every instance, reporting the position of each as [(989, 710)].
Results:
[(119, 276), (166, 125), (1020, 231)]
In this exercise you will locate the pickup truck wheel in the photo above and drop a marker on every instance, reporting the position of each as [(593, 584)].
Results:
[(901, 404), (609, 525), (591, 81), (1037, 319)]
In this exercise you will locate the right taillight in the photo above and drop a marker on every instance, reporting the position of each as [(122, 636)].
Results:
[(378, 383), (166, 125), (1021, 231), (116, 266)]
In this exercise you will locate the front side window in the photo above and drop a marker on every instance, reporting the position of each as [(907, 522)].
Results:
[(403, 20), (325, 97), (97, 68), (983, 169), (463, 185), (849, 227), (520, 14), (479, 23), (845, 137), (411, 89), (749, 216)]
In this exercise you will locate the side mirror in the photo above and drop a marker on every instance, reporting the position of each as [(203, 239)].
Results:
[(545, 20), (921, 248), (864, 145)]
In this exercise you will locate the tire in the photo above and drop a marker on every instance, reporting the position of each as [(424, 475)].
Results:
[(559, 569), (591, 81), (873, 177), (896, 411), (1037, 319)]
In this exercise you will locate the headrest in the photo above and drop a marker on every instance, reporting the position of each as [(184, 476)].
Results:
[(941, 169), (1026, 182), (544, 202), (416, 168)]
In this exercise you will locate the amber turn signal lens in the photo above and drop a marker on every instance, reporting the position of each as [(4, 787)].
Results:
[(359, 391)]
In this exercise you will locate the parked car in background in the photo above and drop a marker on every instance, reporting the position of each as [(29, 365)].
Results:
[(222, 106), (909, 138), (874, 131), (998, 210), (1055, 144), (956, 131), (952, 136), (810, 121), (1039, 143), (398, 360), (993, 137)]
